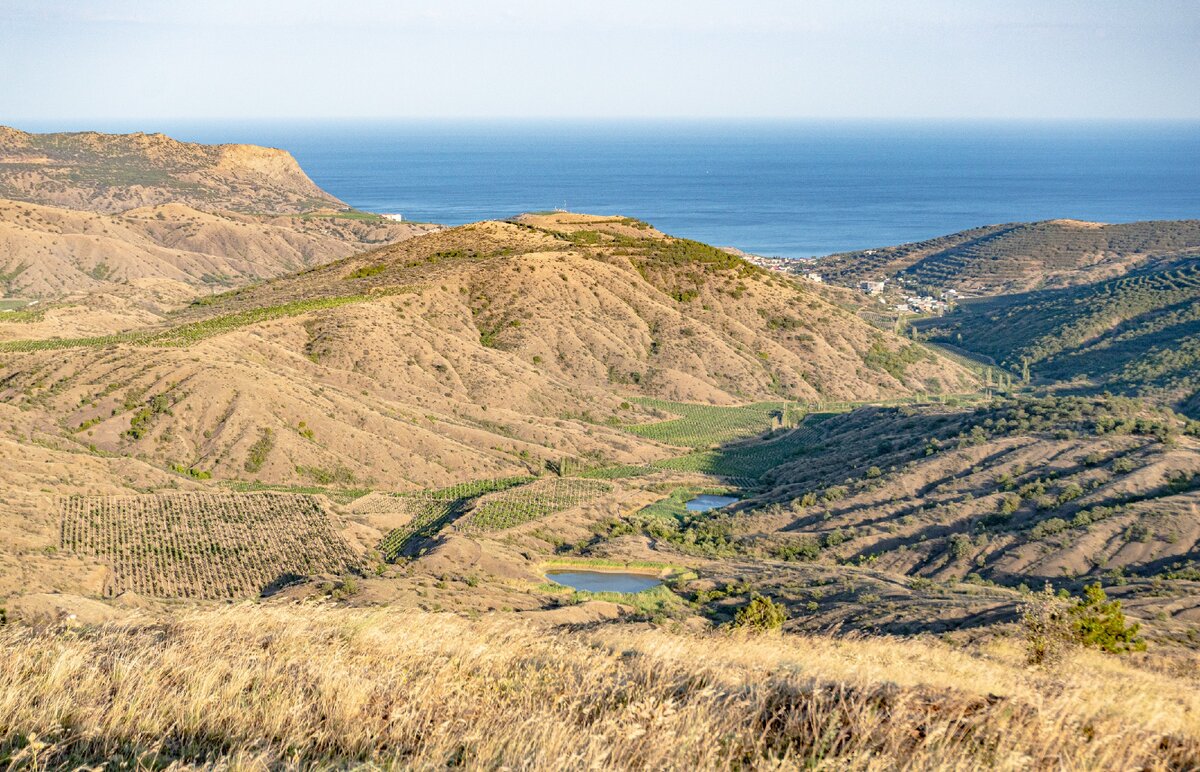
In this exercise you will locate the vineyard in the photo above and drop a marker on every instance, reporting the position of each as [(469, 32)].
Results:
[(187, 334), (530, 502), (744, 465), (429, 510), (703, 426), (204, 545)]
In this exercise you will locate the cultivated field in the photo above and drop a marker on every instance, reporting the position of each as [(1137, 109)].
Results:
[(204, 545), (530, 502), (702, 426)]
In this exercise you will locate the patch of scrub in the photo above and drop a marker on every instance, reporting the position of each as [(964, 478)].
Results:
[(603, 581)]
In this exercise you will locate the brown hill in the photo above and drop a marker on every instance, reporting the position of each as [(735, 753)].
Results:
[(115, 172), (51, 251), (488, 349), (1023, 491)]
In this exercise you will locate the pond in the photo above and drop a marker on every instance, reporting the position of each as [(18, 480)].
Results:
[(603, 581), (706, 502)]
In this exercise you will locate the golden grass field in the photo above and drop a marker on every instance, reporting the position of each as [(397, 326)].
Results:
[(253, 687)]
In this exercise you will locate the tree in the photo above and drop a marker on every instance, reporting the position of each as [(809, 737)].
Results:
[(1099, 623)]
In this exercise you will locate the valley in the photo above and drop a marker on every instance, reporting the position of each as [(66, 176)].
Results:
[(242, 417)]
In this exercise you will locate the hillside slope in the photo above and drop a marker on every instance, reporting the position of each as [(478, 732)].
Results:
[(334, 688), (1138, 334), (1016, 257), (52, 251), (489, 349), (112, 173), (1022, 491)]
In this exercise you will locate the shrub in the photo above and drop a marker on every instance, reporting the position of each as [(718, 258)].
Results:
[(802, 549), (1052, 623), (1070, 492), (1045, 626), (760, 615), (960, 546), (1049, 527)]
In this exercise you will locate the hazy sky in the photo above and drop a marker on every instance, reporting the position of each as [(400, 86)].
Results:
[(222, 59)]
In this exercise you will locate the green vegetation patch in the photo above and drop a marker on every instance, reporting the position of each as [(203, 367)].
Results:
[(527, 503), (703, 426), (749, 462), (432, 510)]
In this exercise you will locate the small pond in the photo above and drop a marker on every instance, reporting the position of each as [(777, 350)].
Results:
[(603, 581), (706, 502)]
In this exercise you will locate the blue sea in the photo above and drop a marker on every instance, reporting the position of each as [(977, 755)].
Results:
[(770, 188)]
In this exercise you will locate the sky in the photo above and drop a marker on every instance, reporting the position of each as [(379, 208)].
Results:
[(785, 59)]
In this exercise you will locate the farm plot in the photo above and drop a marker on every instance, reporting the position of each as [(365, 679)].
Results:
[(746, 464), (204, 545), (430, 510), (521, 505), (703, 426)]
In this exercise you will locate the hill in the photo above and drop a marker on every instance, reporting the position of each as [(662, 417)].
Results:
[(111, 173), (418, 361), (49, 252), (1138, 334), (1016, 257), (1016, 492)]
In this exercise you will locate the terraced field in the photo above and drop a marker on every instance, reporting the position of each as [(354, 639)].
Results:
[(204, 545), (746, 464), (1017, 256)]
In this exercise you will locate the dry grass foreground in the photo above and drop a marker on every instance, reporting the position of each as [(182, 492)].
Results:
[(290, 687)]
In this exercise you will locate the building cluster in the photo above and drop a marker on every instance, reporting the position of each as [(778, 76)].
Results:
[(925, 304), (780, 264)]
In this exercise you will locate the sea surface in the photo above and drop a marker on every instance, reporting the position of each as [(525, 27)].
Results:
[(770, 188)]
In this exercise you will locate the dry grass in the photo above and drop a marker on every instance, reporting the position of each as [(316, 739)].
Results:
[(254, 687)]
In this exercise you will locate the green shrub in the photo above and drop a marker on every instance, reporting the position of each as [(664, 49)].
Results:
[(760, 615)]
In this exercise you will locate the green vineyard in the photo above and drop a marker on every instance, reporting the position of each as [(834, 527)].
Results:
[(204, 545), (703, 426), (429, 510), (745, 464), (530, 502)]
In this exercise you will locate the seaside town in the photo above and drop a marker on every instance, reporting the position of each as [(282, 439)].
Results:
[(895, 296)]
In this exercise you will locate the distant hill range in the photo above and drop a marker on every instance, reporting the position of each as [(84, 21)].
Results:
[(1017, 257), (85, 211)]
